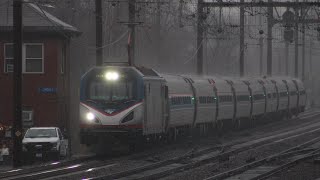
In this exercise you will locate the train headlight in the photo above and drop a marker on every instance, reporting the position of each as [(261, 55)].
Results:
[(90, 116), (112, 76)]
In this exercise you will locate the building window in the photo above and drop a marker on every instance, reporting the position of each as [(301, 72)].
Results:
[(27, 118), (8, 58), (33, 61), (32, 58)]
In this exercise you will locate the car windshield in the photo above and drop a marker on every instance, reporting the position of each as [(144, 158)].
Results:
[(41, 133)]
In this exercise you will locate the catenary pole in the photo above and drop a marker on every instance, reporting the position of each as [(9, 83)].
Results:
[(99, 33), (269, 39), (261, 44), (296, 41), (131, 44), (200, 38), (241, 39)]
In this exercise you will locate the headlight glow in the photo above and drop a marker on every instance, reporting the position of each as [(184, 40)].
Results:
[(90, 116), (112, 76)]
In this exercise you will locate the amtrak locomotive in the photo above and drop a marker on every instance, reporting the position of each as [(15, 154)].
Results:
[(124, 103)]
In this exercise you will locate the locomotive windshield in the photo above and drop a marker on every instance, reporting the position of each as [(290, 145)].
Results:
[(111, 92), (111, 96)]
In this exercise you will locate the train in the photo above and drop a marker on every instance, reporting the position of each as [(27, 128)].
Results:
[(126, 103)]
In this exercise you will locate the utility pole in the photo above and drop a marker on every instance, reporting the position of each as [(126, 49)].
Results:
[(200, 38), (288, 18), (241, 39), (99, 33), (296, 39), (132, 19), (269, 39), (17, 85)]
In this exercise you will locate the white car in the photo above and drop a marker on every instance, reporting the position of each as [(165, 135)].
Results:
[(41, 142)]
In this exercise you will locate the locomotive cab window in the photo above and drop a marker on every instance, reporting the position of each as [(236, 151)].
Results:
[(112, 91)]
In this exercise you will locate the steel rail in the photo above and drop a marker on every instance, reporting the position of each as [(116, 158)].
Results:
[(286, 153), (180, 165)]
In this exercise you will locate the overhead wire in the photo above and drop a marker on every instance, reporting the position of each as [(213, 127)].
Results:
[(195, 53)]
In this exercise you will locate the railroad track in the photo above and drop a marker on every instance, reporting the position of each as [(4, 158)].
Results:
[(73, 166), (258, 170), (44, 167), (196, 159), (191, 159)]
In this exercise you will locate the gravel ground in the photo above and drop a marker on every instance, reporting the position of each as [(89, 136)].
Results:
[(308, 170), (239, 159)]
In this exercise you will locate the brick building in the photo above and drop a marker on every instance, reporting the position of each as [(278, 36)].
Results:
[(45, 67)]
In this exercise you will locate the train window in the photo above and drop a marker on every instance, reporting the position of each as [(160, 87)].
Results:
[(293, 93), (185, 100), (175, 101), (283, 94), (243, 98), (180, 100), (258, 96), (201, 100), (274, 95), (206, 99), (225, 98), (302, 92), (269, 96), (189, 100), (210, 100), (172, 101)]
